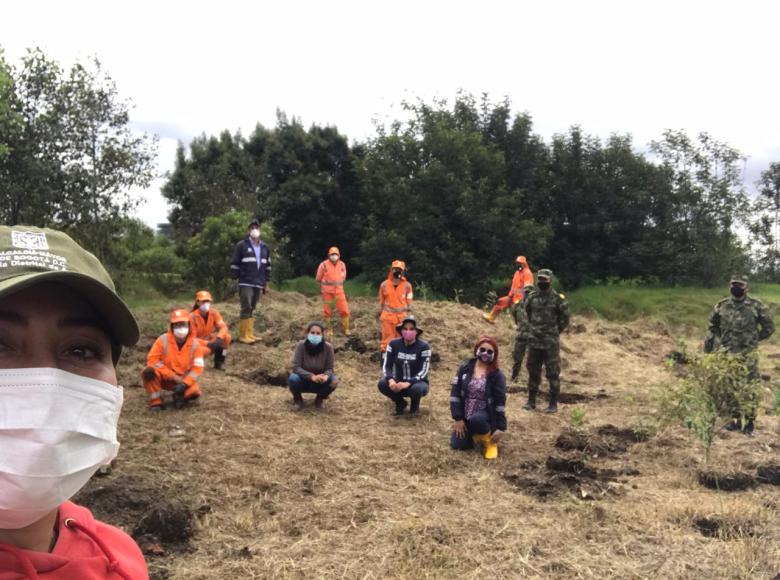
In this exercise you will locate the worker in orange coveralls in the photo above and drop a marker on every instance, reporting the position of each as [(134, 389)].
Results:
[(207, 325), (523, 277), (174, 364), (395, 302), (331, 275)]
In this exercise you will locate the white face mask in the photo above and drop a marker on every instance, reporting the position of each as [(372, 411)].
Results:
[(181, 331), (56, 430), (255, 233), (334, 258), (205, 307)]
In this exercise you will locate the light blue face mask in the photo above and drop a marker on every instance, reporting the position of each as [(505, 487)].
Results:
[(315, 339)]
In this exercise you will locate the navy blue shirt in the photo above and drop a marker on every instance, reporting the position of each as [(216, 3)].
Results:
[(251, 264)]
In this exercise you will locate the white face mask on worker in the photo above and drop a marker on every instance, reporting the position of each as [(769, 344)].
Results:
[(205, 307), (181, 332), (56, 430), (255, 233)]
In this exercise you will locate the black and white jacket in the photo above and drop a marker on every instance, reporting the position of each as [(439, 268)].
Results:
[(407, 362)]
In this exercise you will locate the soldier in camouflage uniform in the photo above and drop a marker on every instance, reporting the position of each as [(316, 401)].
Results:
[(521, 338), (736, 326), (548, 316)]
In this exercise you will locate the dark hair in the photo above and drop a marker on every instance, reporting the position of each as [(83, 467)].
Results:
[(493, 366), (314, 323)]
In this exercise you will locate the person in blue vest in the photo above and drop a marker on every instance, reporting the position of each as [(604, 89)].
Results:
[(406, 365), (251, 264)]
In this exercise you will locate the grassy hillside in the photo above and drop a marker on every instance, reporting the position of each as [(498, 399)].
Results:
[(243, 486)]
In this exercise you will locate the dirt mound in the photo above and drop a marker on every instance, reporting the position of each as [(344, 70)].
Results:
[(769, 474), (722, 528), (263, 376), (728, 481), (170, 522)]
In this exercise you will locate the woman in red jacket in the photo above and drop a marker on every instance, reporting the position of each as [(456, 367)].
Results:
[(62, 328)]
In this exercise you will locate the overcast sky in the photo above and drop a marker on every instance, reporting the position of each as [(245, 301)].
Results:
[(629, 67)]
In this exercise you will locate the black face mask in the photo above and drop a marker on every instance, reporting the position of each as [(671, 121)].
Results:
[(543, 285), (519, 267), (737, 292), (396, 274)]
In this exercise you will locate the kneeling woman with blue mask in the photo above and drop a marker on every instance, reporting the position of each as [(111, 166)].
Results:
[(312, 368), (62, 327)]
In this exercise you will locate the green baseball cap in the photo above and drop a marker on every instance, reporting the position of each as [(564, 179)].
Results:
[(30, 255), (544, 273)]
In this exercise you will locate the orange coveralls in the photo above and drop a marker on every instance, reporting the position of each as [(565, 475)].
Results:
[(331, 278), (395, 303), (519, 281), (166, 360), (209, 329)]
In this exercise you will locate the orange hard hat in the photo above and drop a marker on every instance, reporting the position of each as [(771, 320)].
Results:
[(180, 315), (334, 250), (398, 264), (204, 295)]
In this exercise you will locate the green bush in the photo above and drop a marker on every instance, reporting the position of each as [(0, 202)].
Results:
[(715, 388), (160, 267)]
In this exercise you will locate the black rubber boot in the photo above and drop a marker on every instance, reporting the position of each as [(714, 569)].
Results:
[(219, 359), (400, 405), (734, 425), (178, 396), (415, 408)]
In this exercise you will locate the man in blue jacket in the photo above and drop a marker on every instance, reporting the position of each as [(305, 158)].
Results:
[(406, 365), (251, 264)]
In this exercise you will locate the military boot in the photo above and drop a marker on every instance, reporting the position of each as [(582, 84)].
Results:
[(553, 406), (530, 405), (515, 371)]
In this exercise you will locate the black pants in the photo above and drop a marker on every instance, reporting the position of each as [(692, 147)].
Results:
[(415, 391), (477, 424), (248, 297)]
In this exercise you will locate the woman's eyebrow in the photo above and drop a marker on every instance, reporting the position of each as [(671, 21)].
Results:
[(12, 318), (81, 321)]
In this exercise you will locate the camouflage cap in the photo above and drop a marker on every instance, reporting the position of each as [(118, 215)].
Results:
[(739, 279), (30, 255), (544, 273)]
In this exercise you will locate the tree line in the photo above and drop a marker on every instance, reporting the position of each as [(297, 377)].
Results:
[(456, 189)]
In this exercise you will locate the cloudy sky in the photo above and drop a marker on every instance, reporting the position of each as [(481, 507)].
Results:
[(636, 67)]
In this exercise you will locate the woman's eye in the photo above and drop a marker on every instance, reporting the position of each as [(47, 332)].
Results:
[(84, 352)]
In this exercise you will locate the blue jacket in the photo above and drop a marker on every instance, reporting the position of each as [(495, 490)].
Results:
[(407, 362), (495, 387), (244, 264)]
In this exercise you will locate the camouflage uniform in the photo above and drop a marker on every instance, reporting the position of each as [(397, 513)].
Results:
[(548, 316), (521, 338), (736, 326)]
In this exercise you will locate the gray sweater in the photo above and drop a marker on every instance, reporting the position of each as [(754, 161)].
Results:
[(306, 365)]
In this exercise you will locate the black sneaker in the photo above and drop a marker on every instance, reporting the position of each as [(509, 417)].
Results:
[(749, 429), (399, 407), (553, 408), (530, 405), (734, 425)]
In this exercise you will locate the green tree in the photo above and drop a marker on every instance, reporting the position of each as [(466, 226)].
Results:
[(74, 161), (765, 225), (217, 175)]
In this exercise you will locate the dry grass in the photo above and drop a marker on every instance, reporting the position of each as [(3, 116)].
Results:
[(353, 492)]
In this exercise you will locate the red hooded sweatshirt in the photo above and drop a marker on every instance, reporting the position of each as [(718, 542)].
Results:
[(86, 549)]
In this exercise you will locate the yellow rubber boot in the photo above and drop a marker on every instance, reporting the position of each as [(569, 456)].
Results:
[(243, 331), (345, 325), (491, 317), (250, 329), (490, 448)]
